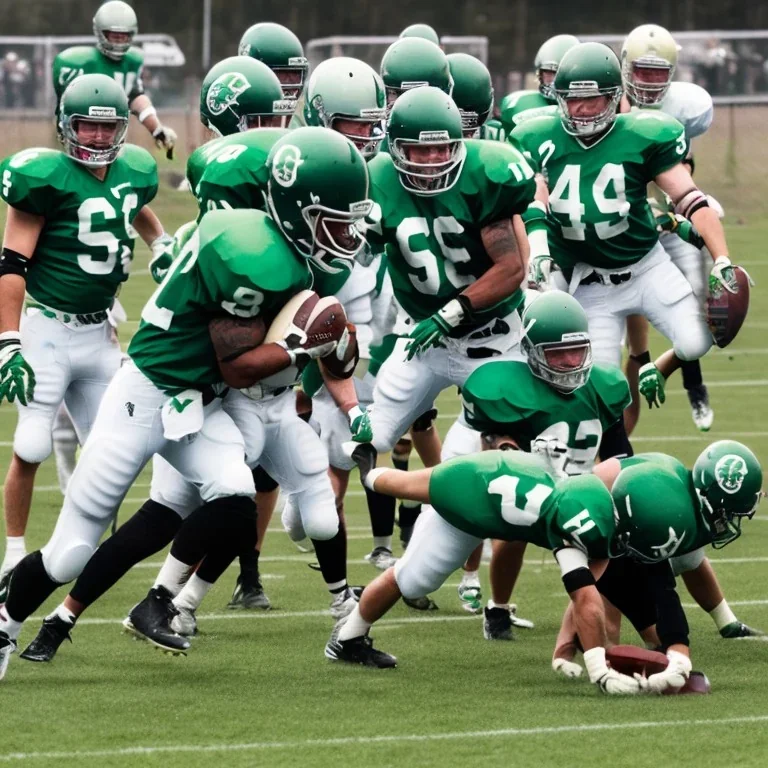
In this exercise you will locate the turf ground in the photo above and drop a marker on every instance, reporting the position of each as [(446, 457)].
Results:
[(256, 690)]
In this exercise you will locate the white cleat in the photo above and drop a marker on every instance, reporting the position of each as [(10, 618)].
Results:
[(701, 411), (343, 604), (185, 622), (7, 647), (471, 596), (381, 558)]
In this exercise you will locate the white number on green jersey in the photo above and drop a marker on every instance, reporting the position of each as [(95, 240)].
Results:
[(579, 524), (126, 80), (101, 207), (506, 487), (426, 260), (583, 446), (565, 199)]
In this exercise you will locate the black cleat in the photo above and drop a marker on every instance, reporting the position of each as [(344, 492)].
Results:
[(497, 624), (249, 595), (48, 639), (151, 620), (736, 630), (5, 582), (425, 603), (364, 455), (358, 650)]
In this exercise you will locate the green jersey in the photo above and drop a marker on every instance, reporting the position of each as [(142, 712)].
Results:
[(507, 495), (492, 130), (505, 398), (236, 263), (434, 247), (89, 60), (520, 106), (598, 192), (702, 536), (85, 249), (230, 172)]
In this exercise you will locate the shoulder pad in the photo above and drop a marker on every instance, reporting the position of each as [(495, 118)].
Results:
[(691, 105), (511, 99), (651, 124), (138, 159), (135, 55), (78, 53), (39, 163), (536, 126), (612, 390), (501, 393)]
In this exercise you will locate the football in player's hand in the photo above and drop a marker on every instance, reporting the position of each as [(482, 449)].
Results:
[(342, 361), (308, 321), (727, 311), (629, 659)]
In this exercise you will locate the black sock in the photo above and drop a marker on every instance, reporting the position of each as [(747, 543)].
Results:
[(407, 514), (642, 359), (229, 521), (249, 565), (691, 370), (218, 558), (147, 532), (381, 510), (30, 587), (332, 557), (400, 463)]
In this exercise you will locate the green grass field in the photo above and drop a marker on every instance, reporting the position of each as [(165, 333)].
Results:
[(256, 690)]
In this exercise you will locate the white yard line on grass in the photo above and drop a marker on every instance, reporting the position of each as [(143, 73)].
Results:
[(360, 741)]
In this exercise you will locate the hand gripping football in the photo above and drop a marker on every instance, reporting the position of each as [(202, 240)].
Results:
[(629, 659), (727, 311)]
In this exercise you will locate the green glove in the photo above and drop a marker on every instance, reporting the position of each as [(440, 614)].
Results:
[(651, 385), (722, 274), (162, 257), (539, 270), (429, 332), (360, 425), (17, 379)]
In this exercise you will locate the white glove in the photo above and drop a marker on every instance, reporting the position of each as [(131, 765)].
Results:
[(549, 447), (539, 270), (165, 137), (674, 676), (162, 256), (301, 356), (722, 272), (569, 669), (609, 680)]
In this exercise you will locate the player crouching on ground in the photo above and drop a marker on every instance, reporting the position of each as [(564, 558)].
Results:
[(511, 497)]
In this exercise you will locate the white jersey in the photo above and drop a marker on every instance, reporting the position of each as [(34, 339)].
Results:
[(691, 105)]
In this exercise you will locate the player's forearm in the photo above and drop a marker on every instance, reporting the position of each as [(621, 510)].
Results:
[(142, 107), (341, 390), (413, 486), (148, 225), (251, 367), (589, 617), (708, 225), (508, 270), (12, 289)]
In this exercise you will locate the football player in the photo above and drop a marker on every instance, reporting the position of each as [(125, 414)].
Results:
[(281, 51), (648, 62), (499, 495), (472, 92), (423, 31), (73, 217), (701, 507), (238, 265), (597, 165), (556, 405), (114, 26)]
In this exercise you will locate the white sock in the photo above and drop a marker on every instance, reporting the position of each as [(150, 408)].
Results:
[(65, 452), (382, 541), (173, 575), (470, 577), (10, 626), (354, 625), (722, 615), (63, 613), (192, 593), (337, 586), (15, 552), (505, 606)]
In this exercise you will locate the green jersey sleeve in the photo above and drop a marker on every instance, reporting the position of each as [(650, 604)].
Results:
[(133, 67), (612, 391), (27, 180), (666, 145), (143, 169), (496, 397)]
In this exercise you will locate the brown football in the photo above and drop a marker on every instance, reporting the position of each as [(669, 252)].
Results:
[(325, 322), (629, 659), (697, 683), (342, 361), (727, 311)]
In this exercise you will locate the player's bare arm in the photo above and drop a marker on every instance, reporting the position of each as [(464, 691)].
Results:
[(148, 225)]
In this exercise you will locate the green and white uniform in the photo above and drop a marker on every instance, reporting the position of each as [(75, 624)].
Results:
[(434, 250), (602, 234), (520, 106), (89, 60), (507, 399), (81, 259), (502, 495)]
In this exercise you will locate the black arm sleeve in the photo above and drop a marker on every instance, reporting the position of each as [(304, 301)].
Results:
[(671, 623), (615, 442)]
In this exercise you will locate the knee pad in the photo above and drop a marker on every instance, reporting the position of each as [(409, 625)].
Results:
[(317, 509), (65, 561), (424, 422), (236, 480), (689, 562), (694, 342), (33, 439), (415, 582), (460, 441), (291, 520)]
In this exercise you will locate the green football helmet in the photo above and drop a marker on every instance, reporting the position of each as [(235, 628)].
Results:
[(426, 117), (281, 51), (412, 62), (588, 71), (548, 59), (472, 91), (556, 341), (114, 16), (650, 51), (347, 95), (317, 194), (728, 480), (95, 99), (424, 31), (655, 515), (240, 93)]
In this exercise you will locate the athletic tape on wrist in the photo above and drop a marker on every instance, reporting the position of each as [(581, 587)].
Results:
[(145, 113)]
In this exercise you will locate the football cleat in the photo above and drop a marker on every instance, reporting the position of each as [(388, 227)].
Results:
[(343, 603), (381, 558), (470, 595), (701, 411), (357, 650), (151, 620), (249, 595), (517, 621), (736, 630), (5, 582), (497, 624), (48, 639), (425, 603), (185, 622), (7, 647)]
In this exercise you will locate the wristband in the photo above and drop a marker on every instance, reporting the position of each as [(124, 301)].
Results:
[(146, 112), (594, 661)]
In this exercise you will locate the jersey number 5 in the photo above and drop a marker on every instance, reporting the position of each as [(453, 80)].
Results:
[(101, 207)]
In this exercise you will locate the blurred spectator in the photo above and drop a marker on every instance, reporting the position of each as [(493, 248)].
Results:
[(15, 75)]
